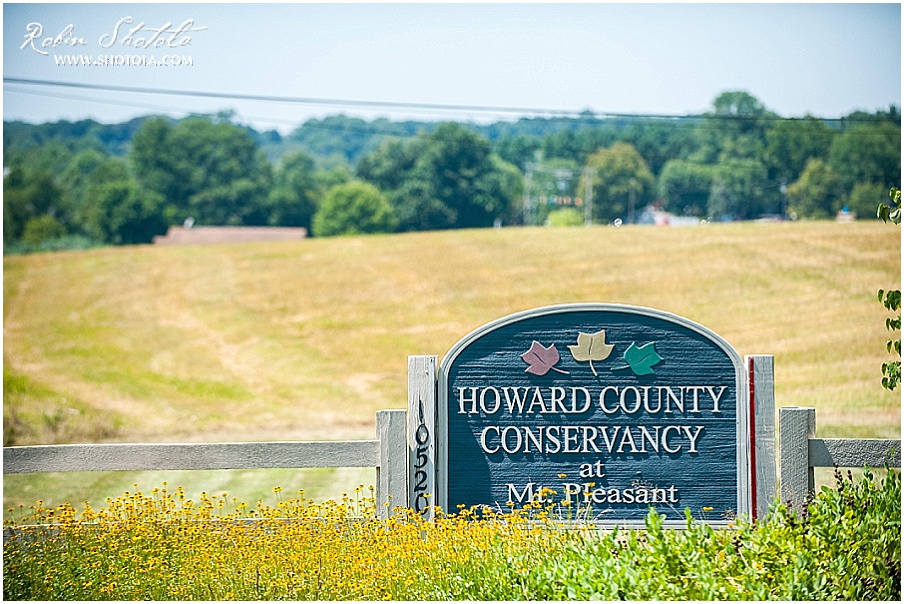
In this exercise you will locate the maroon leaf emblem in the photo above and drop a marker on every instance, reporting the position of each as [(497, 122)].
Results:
[(541, 359)]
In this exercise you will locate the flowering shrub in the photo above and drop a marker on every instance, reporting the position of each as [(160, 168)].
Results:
[(162, 546)]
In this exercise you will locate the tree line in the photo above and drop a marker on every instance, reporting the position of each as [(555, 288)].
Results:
[(71, 185)]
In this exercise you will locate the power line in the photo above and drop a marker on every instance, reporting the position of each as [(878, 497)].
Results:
[(157, 109), (584, 113), (699, 120), (87, 99), (702, 122), (302, 100)]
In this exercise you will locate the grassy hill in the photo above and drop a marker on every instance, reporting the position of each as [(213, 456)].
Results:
[(307, 340)]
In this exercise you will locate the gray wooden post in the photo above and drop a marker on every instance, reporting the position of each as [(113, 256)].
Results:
[(796, 425), (392, 472), (763, 390), (422, 433)]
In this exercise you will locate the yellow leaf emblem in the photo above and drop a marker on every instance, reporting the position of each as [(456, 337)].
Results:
[(591, 347)]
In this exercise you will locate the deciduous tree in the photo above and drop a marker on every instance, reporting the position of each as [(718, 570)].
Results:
[(791, 143), (445, 179), (685, 186), (735, 128), (622, 182), (817, 193), (867, 152), (353, 208), (29, 194), (211, 171), (737, 191), (296, 191)]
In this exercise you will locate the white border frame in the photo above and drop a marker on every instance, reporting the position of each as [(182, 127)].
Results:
[(742, 412)]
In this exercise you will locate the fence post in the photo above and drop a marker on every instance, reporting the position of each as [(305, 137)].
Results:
[(392, 473), (762, 387), (796, 425), (421, 433)]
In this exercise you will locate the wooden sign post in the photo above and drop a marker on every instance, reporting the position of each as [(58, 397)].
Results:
[(614, 409)]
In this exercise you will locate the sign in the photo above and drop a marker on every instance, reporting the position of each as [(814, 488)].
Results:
[(613, 409)]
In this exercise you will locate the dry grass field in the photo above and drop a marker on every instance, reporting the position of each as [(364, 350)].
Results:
[(307, 340)]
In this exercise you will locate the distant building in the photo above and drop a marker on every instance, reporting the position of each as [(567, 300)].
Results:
[(186, 235), (845, 215), (658, 217)]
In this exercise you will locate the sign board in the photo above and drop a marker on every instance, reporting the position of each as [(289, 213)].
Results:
[(615, 409)]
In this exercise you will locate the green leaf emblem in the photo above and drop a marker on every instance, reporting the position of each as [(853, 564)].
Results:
[(640, 359)]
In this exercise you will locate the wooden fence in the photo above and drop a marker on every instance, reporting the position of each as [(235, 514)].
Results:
[(799, 452), (388, 454)]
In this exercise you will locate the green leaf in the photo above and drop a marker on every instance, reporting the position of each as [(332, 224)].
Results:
[(640, 359), (888, 213)]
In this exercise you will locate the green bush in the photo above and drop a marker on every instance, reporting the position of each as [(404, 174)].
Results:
[(41, 229), (847, 546), (565, 217), (58, 244), (353, 208)]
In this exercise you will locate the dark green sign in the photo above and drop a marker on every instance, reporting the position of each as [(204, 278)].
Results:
[(612, 409)]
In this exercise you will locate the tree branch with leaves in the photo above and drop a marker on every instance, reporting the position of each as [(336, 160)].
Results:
[(891, 299)]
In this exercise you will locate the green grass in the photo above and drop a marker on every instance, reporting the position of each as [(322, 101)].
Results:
[(307, 340), (34, 412), (57, 488)]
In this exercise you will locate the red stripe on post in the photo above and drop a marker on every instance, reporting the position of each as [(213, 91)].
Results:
[(752, 426)]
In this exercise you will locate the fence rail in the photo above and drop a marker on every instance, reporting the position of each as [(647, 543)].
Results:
[(386, 455), (801, 451), (219, 456)]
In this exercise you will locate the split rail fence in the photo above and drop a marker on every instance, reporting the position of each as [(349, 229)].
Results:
[(800, 452), (388, 454)]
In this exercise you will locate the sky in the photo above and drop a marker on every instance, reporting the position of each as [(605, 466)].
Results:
[(477, 62)]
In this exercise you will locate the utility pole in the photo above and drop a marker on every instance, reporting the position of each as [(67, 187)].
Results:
[(588, 196), (525, 202)]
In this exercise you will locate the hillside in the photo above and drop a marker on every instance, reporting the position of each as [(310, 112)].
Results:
[(308, 339)]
